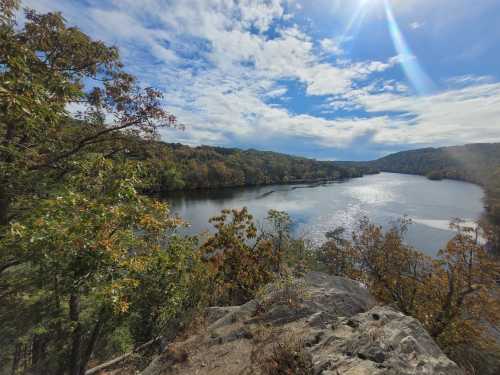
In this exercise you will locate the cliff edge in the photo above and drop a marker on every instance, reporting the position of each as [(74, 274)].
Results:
[(316, 325)]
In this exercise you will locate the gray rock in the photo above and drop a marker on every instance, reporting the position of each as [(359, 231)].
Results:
[(338, 321)]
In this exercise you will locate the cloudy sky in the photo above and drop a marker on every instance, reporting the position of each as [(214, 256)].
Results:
[(328, 79)]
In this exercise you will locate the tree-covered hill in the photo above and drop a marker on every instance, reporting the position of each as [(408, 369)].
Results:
[(474, 162), (176, 166)]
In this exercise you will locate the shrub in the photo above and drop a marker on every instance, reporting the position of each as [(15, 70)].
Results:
[(284, 290), (288, 356), (239, 262)]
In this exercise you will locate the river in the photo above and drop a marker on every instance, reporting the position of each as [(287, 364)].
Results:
[(383, 198)]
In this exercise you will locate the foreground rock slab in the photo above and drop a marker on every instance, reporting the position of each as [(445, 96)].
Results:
[(336, 320)]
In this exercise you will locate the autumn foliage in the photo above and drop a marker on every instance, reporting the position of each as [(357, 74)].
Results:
[(239, 261)]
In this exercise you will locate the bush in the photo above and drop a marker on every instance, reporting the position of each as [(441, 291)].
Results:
[(239, 262), (288, 356), (283, 291), (435, 176)]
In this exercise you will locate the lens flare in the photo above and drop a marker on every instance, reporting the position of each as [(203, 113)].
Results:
[(356, 21), (414, 72)]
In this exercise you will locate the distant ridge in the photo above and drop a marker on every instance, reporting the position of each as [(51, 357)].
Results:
[(472, 162)]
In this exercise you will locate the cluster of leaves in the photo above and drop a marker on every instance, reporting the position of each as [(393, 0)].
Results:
[(454, 296), (46, 67), (94, 254)]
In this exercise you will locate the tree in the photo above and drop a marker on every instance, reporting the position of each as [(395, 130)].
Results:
[(392, 269), (465, 286), (279, 233), (86, 248), (337, 255), (46, 67), (170, 290)]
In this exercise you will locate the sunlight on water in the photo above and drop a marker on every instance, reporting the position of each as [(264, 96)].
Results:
[(373, 194), (316, 210)]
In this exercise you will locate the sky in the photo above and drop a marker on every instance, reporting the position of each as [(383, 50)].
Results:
[(326, 79)]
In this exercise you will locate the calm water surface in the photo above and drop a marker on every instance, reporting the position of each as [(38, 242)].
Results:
[(315, 210)]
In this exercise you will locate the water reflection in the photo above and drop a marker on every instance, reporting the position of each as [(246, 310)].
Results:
[(316, 210)]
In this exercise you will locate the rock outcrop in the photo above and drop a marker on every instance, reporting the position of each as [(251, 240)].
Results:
[(339, 325)]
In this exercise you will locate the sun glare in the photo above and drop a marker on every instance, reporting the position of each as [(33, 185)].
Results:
[(409, 61)]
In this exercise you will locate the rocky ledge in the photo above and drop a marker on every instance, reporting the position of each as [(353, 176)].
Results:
[(338, 325)]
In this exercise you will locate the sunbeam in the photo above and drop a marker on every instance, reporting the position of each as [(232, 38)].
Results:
[(356, 20), (414, 72)]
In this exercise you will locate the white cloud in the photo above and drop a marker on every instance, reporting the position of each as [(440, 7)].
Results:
[(465, 115), (279, 92), (415, 25), (469, 79), (331, 45)]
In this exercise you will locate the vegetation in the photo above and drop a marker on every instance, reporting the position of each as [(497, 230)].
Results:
[(176, 167), (288, 356), (239, 266), (81, 251)]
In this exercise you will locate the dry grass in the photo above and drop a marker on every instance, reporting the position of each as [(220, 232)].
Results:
[(288, 356), (285, 290)]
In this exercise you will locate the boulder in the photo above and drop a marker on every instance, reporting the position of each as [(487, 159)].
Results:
[(341, 329)]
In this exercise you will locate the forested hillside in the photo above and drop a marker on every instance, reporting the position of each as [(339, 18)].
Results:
[(474, 162), (176, 166)]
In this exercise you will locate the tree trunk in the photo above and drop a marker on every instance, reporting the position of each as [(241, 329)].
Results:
[(96, 332), (39, 353), (4, 205), (76, 346), (17, 359), (119, 359)]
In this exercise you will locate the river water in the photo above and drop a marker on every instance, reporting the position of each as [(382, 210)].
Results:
[(317, 209)]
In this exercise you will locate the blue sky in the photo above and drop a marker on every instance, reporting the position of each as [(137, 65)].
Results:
[(328, 79)]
